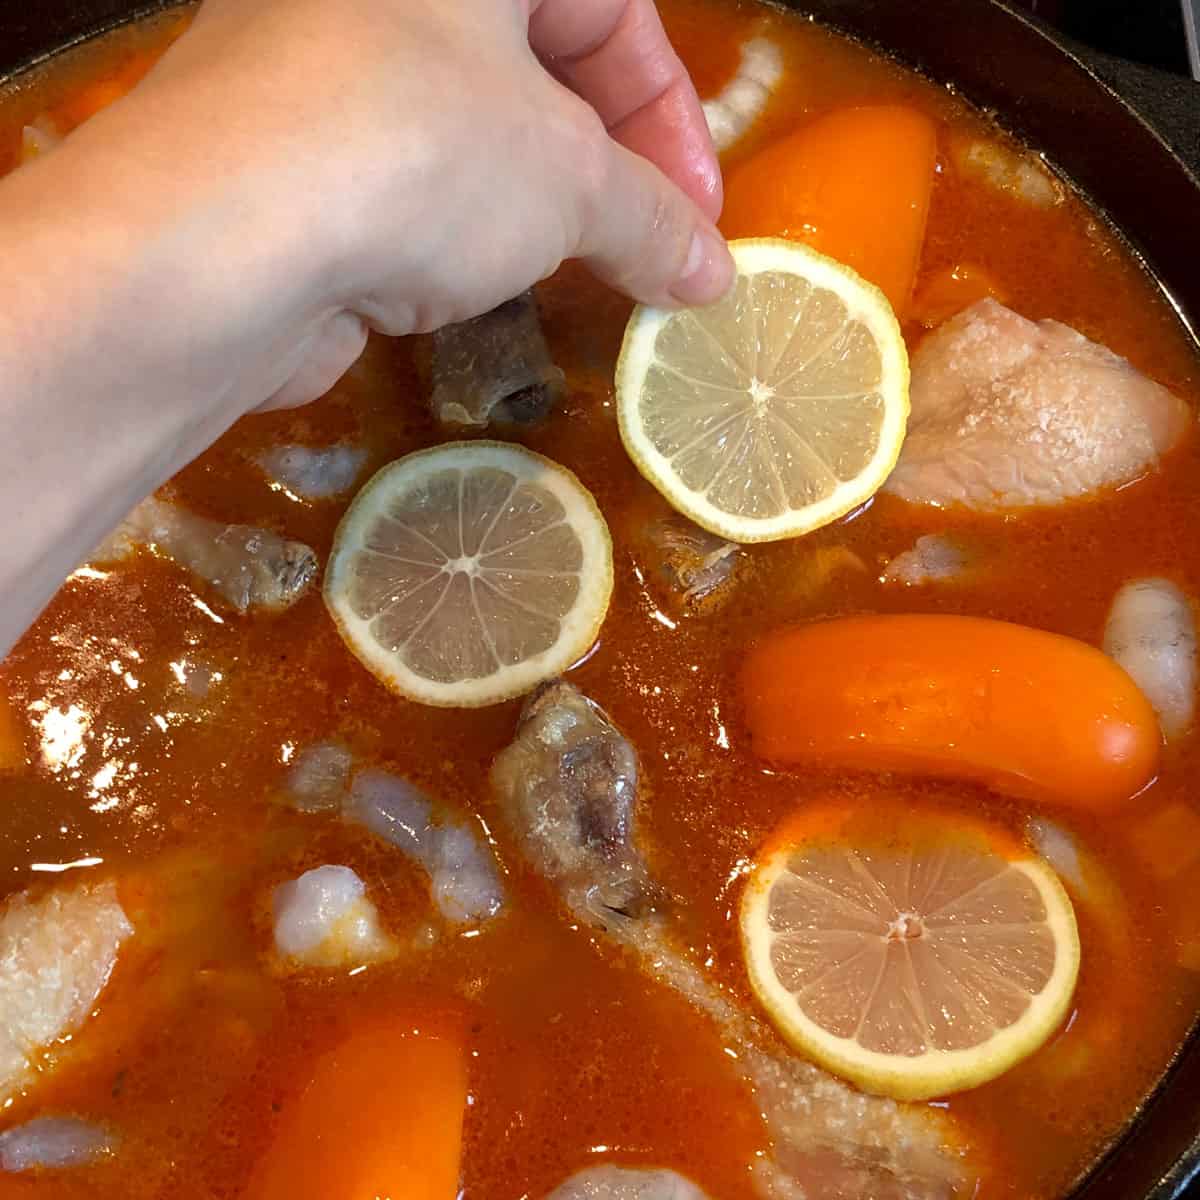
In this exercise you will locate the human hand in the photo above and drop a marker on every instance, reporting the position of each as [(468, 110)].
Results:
[(418, 162)]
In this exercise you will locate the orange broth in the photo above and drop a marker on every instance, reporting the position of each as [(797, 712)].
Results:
[(198, 1042)]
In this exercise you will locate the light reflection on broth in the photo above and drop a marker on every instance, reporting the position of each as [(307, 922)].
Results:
[(147, 729)]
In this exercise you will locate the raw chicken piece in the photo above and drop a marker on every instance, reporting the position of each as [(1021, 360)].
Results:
[(932, 559), (325, 919), (462, 872), (692, 562), (249, 567), (313, 473), (53, 1142), (610, 1182), (1008, 412), (567, 786), (1151, 632), (740, 103), (56, 954), (319, 778), (495, 369)]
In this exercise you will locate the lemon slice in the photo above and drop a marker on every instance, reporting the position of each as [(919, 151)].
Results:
[(776, 410), (467, 574), (913, 965)]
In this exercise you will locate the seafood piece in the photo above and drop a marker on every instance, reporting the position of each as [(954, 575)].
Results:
[(1018, 173), (568, 788), (495, 369), (251, 568), (740, 103), (1008, 413), (694, 563), (313, 473), (932, 559), (462, 872), (610, 1182), (53, 1142), (319, 778), (325, 919), (56, 954), (1151, 632)]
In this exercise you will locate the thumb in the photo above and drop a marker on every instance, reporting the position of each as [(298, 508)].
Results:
[(643, 236)]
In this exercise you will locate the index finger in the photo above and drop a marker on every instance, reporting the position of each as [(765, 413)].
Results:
[(616, 55)]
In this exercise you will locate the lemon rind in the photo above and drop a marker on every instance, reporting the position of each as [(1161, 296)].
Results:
[(866, 303), (936, 1072), (580, 627)]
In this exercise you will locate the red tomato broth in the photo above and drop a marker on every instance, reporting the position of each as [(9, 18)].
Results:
[(198, 1043)]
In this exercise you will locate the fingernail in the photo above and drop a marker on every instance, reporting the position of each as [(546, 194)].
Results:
[(707, 271)]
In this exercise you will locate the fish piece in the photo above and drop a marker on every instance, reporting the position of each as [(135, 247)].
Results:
[(610, 1182), (933, 558), (249, 567), (1008, 413), (57, 952), (692, 562), (325, 919), (495, 369), (54, 1143), (462, 871), (568, 788), (1151, 632), (319, 778), (313, 473), (740, 103), (1018, 173)]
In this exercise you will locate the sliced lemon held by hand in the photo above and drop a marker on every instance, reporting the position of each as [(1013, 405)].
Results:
[(468, 574), (774, 411), (913, 964)]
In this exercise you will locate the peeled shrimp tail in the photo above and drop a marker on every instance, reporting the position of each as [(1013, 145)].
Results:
[(462, 872), (495, 369), (1151, 632), (610, 1182), (742, 100)]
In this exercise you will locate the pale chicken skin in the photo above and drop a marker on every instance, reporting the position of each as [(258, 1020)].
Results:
[(1011, 413)]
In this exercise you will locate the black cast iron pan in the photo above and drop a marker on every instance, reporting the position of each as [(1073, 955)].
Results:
[(1128, 136)]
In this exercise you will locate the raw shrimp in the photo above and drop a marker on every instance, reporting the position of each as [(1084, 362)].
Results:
[(933, 558), (610, 1182), (1151, 632), (568, 788), (1018, 173), (462, 871), (1008, 413), (54, 1143), (495, 369), (740, 103), (313, 473), (56, 955), (319, 778), (326, 919), (251, 568)]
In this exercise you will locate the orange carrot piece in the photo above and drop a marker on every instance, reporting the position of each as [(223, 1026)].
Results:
[(381, 1115), (854, 184), (1029, 713), (950, 291)]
